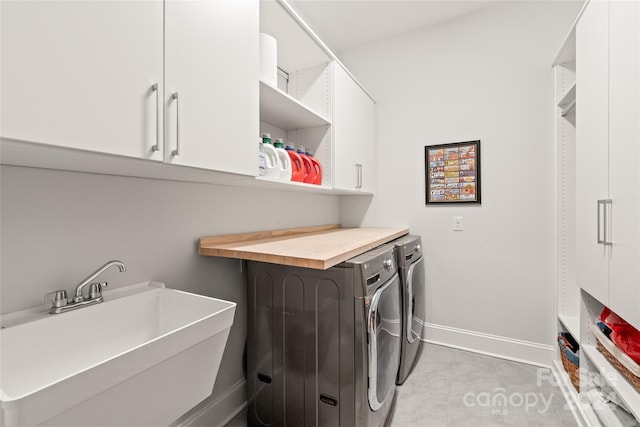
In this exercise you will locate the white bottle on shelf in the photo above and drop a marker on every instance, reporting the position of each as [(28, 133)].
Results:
[(285, 160), (271, 158)]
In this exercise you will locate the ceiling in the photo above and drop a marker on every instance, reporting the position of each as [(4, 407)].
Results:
[(344, 24)]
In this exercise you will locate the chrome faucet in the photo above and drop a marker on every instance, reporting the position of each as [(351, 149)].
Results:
[(60, 303)]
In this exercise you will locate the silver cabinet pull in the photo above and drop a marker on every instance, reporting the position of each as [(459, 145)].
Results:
[(600, 203), (176, 152), (605, 223), (156, 147)]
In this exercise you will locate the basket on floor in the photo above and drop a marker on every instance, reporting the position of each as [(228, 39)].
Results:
[(623, 363), (570, 360)]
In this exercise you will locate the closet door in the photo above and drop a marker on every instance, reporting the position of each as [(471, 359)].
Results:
[(81, 74), (624, 152), (592, 157)]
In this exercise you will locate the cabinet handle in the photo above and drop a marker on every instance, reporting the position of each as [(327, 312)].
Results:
[(605, 224), (600, 203), (156, 147), (176, 152)]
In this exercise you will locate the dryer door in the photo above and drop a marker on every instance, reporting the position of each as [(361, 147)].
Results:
[(415, 298), (384, 330)]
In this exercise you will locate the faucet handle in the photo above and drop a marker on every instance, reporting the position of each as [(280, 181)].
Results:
[(95, 289), (56, 298)]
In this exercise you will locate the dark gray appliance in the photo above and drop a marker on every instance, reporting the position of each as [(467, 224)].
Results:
[(323, 346), (412, 279)]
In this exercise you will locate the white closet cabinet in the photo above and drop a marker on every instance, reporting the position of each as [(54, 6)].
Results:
[(79, 74), (211, 96), (608, 154), (353, 134), (592, 158)]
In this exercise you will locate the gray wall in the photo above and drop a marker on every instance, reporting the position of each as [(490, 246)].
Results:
[(58, 227), (486, 75)]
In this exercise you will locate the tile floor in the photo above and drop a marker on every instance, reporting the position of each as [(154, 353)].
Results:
[(450, 387)]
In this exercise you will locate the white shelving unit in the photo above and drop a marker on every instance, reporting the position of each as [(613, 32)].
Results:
[(567, 291), (596, 370), (577, 309)]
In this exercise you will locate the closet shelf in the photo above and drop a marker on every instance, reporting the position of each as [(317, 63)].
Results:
[(284, 111), (620, 385), (568, 101)]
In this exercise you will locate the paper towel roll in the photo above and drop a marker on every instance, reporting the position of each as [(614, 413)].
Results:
[(269, 59)]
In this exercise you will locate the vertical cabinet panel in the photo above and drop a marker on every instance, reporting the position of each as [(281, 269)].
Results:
[(592, 148), (624, 153), (79, 74), (211, 56), (354, 134)]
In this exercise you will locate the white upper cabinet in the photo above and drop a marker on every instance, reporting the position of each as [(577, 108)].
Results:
[(211, 96), (91, 75), (353, 134), (80, 74)]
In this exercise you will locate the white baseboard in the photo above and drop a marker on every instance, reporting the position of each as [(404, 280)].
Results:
[(492, 345), (217, 412)]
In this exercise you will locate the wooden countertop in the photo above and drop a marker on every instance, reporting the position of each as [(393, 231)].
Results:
[(318, 247)]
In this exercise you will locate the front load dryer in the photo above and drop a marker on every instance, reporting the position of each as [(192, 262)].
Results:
[(412, 279), (323, 346)]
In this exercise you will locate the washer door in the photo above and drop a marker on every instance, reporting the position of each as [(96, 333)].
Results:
[(384, 332), (415, 300)]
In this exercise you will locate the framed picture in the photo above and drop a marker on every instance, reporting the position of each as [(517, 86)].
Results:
[(452, 172)]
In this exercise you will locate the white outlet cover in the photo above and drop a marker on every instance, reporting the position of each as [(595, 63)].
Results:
[(457, 223)]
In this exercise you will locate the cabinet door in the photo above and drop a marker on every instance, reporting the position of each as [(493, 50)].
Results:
[(211, 63), (624, 152), (79, 74), (353, 130), (592, 147)]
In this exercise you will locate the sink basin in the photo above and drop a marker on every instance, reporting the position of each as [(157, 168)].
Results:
[(143, 357)]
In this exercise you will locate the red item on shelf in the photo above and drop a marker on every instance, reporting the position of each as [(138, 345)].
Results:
[(318, 170), (308, 167), (625, 336), (298, 171)]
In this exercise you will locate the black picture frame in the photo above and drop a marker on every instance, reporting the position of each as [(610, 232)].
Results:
[(452, 173)]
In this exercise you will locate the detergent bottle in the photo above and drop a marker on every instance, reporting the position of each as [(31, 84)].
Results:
[(316, 167), (310, 172), (285, 161), (261, 158), (272, 161), (297, 166)]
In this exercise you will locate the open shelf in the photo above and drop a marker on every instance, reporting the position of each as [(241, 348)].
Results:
[(568, 101), (623, 389), (284, 111), (276, 184)]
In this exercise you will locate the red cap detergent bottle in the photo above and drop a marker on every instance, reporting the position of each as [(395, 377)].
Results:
[(317, 167), (297, 166), (310, 172)]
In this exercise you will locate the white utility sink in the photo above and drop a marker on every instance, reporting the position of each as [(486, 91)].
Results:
[(143, 357)]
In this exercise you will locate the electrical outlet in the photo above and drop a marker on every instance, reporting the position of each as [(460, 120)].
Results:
[(457, 223)]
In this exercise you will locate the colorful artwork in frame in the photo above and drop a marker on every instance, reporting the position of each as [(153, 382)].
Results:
[(452, 173)]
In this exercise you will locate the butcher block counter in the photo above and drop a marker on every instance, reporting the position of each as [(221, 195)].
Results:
[(319, 247)]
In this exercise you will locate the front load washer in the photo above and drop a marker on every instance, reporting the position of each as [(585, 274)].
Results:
[(323, 346), (412, 279)]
